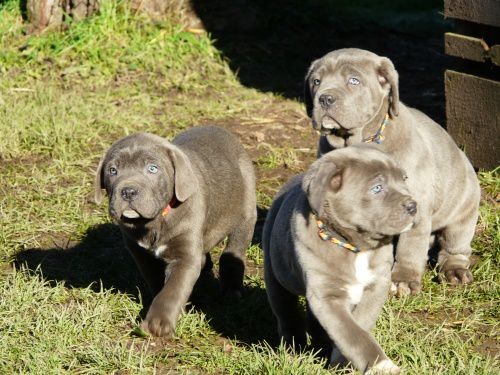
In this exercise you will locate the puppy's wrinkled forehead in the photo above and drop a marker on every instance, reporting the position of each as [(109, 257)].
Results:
[(359, 172), (345, 65), (131, 156), (134, 150), (365, 161)]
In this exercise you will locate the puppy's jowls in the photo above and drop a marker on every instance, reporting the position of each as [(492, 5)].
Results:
[(328, 236), (174, 201), (352, 96)]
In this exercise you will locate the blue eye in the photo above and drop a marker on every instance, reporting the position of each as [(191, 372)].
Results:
[(353, 81), (113, 171), (152, 169), (316, 82), (376, 189)]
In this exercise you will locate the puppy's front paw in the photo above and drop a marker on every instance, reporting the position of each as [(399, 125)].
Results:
[(158, 325), (454, 268), (457, 276), (405, 282), (384, 367), (405, 288)]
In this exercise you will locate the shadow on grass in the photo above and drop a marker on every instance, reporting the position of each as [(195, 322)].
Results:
[(248, 320), (270, 44), (100, 258)]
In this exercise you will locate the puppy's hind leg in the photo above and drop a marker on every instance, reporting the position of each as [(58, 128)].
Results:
[(286, 309), (232, 260), (455, 239)]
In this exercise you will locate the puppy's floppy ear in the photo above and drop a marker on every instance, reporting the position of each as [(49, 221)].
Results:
[(308, 100), (184, 179), (388, 75), (323, 176), (98, 182)]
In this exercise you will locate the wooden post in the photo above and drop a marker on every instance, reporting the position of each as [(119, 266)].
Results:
[(473, 95)]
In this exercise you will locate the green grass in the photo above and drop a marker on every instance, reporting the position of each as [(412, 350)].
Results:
[(279, 157), (70, 296)]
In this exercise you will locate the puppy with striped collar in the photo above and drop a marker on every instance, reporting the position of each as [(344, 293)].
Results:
[(328, 237)]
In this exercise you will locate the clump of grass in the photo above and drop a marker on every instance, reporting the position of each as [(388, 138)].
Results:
[(277, 157), (254, 253), (486, 243), (113, 42), (53, 322)]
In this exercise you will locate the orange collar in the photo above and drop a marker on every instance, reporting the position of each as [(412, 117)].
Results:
[(167, 209)]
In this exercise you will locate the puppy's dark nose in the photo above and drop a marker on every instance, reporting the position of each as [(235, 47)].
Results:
[(326, 100), (411, 207), (129, 194)]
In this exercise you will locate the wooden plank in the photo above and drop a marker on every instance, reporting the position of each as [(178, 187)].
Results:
[(473, 117), (465, 47), (486, 12), (470, 48), (495, 54)]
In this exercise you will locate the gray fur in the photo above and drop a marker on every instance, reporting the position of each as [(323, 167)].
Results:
[(343, 300), (207, 176), (441, 178)]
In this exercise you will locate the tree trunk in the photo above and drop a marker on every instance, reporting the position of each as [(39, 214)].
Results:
[(43, 14)]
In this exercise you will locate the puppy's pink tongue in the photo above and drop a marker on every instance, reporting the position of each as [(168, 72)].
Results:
[(130, 214)]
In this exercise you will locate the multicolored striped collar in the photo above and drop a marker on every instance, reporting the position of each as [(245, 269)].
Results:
[(326, 235), (378, 137), (170, 205)]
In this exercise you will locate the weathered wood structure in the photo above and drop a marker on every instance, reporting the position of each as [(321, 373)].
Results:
[(473, 92)]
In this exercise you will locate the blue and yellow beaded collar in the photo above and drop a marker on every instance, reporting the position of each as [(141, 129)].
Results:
[(378, 137)]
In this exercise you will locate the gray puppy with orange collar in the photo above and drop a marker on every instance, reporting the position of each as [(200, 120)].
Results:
[(352, 96), (328, 237), (174, 201)]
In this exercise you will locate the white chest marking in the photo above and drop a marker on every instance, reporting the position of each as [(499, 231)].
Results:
[(362, 277), (143, 245), (158, 251)]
